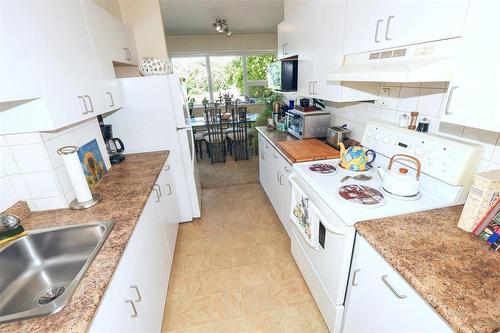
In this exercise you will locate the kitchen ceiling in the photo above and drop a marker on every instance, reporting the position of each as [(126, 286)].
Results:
[(191, 17)]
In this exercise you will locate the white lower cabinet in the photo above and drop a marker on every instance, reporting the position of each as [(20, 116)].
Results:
[(273, 174), (380, 300), (135, 298)]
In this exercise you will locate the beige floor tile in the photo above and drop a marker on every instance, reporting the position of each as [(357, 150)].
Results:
[(223, 260), (273, 251), (303, 319), (188, 312), (227, 305), (246, 256), (224, 279), (258, 299), (253, 275), (218, 245), (266, 322), (231, 326), (197, 264), (189, 286), (282, 270), (291, 293)]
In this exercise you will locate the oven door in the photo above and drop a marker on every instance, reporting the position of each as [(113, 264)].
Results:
[(330, 253)]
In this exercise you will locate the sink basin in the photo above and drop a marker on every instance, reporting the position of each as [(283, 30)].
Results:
[(39, 272)]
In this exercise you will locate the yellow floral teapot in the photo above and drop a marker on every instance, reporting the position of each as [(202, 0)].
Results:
[(355, 157)]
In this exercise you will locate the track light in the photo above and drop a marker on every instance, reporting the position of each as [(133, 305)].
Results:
[(221, 26)]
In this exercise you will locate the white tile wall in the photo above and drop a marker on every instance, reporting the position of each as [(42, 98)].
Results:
[(427, 99), (31, 170)]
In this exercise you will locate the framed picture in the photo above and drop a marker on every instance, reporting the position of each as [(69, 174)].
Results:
[(92, 162)]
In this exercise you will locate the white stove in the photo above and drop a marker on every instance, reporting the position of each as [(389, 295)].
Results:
[(325, 208)]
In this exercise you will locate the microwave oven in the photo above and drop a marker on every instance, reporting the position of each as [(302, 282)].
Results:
[(308, 125), (282, 75)]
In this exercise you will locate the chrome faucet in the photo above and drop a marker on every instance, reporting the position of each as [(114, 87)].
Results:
[(8, 222)]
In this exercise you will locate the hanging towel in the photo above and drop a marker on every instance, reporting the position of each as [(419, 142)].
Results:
[(304, 215)]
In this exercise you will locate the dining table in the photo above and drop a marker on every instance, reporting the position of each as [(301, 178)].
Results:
[(199, 123)]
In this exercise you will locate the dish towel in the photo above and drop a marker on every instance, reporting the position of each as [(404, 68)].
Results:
[(304, 216)]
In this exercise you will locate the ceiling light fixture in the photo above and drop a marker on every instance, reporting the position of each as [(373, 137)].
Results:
[(221, 26)]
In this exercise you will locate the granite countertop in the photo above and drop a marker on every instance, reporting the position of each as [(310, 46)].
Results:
[(274, 136), (124, 190), (453, 270)]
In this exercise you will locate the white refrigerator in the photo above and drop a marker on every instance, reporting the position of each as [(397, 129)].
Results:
[(155, 117)]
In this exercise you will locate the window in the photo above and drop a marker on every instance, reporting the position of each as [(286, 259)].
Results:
[(193, 70), (212, 76)]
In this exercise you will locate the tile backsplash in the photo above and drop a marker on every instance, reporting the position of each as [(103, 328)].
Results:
[(32, 171), (427, 99)]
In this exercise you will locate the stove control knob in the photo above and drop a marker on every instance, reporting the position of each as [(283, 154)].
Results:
[(387, 139)]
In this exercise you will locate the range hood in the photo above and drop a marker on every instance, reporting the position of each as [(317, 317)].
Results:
[(429, 62)]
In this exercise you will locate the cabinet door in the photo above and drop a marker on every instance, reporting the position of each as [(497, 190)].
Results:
[(306, 50), (55, 36), (373, 25), (105, 40), (286, 196), (17, 82), (384, 300), (282, 39), (275, 175), (474, 93), (168, 199), (264, 164)]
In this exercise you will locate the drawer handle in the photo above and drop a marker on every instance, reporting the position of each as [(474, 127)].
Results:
[(169, 188), (84, 104), (398, 295), (354, 275), (90, 102), (167, 167), (111, 99), (376, 30), (134, 313), (450, 96), (139, 298)]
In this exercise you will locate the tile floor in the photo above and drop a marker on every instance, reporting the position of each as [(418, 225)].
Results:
[(233, 270), (230, 173)]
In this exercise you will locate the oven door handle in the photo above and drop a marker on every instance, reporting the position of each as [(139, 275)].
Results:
[(294, 180)]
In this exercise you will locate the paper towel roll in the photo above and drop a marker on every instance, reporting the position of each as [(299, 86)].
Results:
[(74, 168)]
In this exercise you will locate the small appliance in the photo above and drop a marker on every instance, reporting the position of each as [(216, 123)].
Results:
[(336, 134), (114, 146), (355, 158), (282, 75), (307, 125)]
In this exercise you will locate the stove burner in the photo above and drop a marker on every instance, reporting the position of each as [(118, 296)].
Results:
[(361, 195), (402, 197), (322, 168)]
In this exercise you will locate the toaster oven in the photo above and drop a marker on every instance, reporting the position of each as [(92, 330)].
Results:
[(308, 125)]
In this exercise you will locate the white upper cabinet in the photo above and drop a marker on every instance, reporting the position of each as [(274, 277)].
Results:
[(321, 49), (474, 93), (288, 43), (12, 54), (374, 25), (54, 34)]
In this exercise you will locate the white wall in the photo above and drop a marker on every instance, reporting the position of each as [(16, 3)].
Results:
[(32, 171), (219, 43), (427, 99)]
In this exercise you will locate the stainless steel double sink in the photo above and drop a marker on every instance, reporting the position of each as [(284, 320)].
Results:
[(39, 272)]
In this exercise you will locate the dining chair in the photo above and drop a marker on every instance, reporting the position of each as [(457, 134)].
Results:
[(214, 138), (238, 136)]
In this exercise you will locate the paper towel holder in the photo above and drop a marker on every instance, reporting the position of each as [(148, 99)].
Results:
[(75, 204)]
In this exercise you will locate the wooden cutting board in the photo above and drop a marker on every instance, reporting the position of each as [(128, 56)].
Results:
[(308, 150)]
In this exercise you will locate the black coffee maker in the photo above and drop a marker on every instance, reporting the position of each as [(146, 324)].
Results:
[(114, 146)]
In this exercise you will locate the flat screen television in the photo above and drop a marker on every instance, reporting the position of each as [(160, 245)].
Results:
[(282, 75)]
